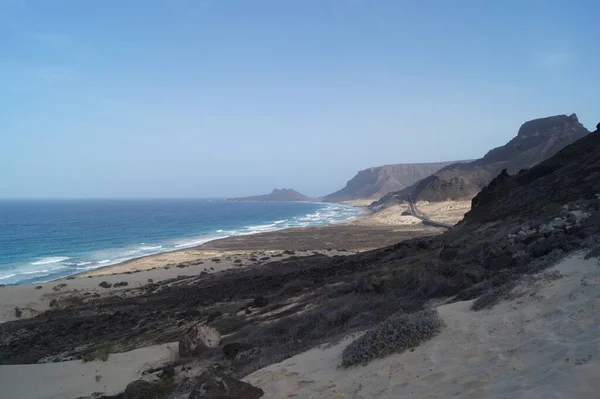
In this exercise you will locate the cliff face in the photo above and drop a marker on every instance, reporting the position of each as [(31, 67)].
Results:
[(279, 195), (373, 183), (536, 141)]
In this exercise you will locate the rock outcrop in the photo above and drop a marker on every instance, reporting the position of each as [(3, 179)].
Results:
[(536, 141), (373, 183), (277, 195), (198, 339)]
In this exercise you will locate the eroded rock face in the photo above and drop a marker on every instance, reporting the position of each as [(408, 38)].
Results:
[(224, 387), (197, 339)]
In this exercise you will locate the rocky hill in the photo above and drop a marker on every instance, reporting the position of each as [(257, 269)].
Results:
[(536, 141), (279, 195), (373, 183)]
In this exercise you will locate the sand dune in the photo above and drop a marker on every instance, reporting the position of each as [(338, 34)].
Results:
[(543, 344)]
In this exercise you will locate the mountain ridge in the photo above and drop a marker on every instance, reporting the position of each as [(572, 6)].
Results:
[(536, 141), (277, 195), (375, 182)]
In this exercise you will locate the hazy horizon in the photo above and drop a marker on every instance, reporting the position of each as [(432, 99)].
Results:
[(215, 99)]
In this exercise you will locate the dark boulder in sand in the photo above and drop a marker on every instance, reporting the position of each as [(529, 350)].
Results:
[(224, 387), (197, 339), (140, 389)]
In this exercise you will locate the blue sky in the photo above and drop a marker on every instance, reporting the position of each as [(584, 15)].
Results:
[(184, 98)]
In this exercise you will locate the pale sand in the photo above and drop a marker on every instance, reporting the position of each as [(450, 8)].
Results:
[(390, 216), (544, 344), (360, 202), (75, 379), (447, 211)]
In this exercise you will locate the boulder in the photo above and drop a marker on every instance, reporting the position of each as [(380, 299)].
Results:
[(224, 387), (233, 349), (140, 389), (197, 339)]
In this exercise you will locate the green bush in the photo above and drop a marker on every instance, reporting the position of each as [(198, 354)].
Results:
[(395, 334)]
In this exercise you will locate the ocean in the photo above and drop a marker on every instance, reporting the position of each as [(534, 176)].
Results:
[(41, 240)]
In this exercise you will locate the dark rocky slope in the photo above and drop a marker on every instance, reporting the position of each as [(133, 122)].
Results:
[(373, 183), (536, 141), (280, 195), (519, 225)]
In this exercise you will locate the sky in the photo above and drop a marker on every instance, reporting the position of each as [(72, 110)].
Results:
[(218, 98)]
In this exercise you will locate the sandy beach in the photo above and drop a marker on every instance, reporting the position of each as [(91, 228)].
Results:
[(362, 234)]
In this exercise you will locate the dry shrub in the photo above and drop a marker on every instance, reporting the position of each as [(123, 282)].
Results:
[(397, 333)]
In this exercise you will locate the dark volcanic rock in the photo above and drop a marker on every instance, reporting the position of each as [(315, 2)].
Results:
[(260, 301), (224, 387), (140, 389), (573, 174), (233, 349)]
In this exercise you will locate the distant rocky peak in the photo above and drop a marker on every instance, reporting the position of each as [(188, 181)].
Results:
[(549, 126)]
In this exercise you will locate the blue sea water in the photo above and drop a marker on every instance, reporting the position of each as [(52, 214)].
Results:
[(44, 240)]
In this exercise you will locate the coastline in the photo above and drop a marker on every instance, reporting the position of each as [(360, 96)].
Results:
[(366, 232)]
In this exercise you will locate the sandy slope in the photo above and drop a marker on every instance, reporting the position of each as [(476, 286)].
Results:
[(544, 344), (74, 379)]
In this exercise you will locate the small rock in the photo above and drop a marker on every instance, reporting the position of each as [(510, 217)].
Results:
[(98, 377), (214, 315), (224, 387), (104, 284), (260, 301)]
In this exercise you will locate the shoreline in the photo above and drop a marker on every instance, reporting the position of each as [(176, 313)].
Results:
[(207, 252), (175, 250), (243, 252)]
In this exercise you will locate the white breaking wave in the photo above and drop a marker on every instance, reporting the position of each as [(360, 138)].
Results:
[(197, 242), (51, 259), (102, 262), (150, 248), (7, 276), (84, 263)]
